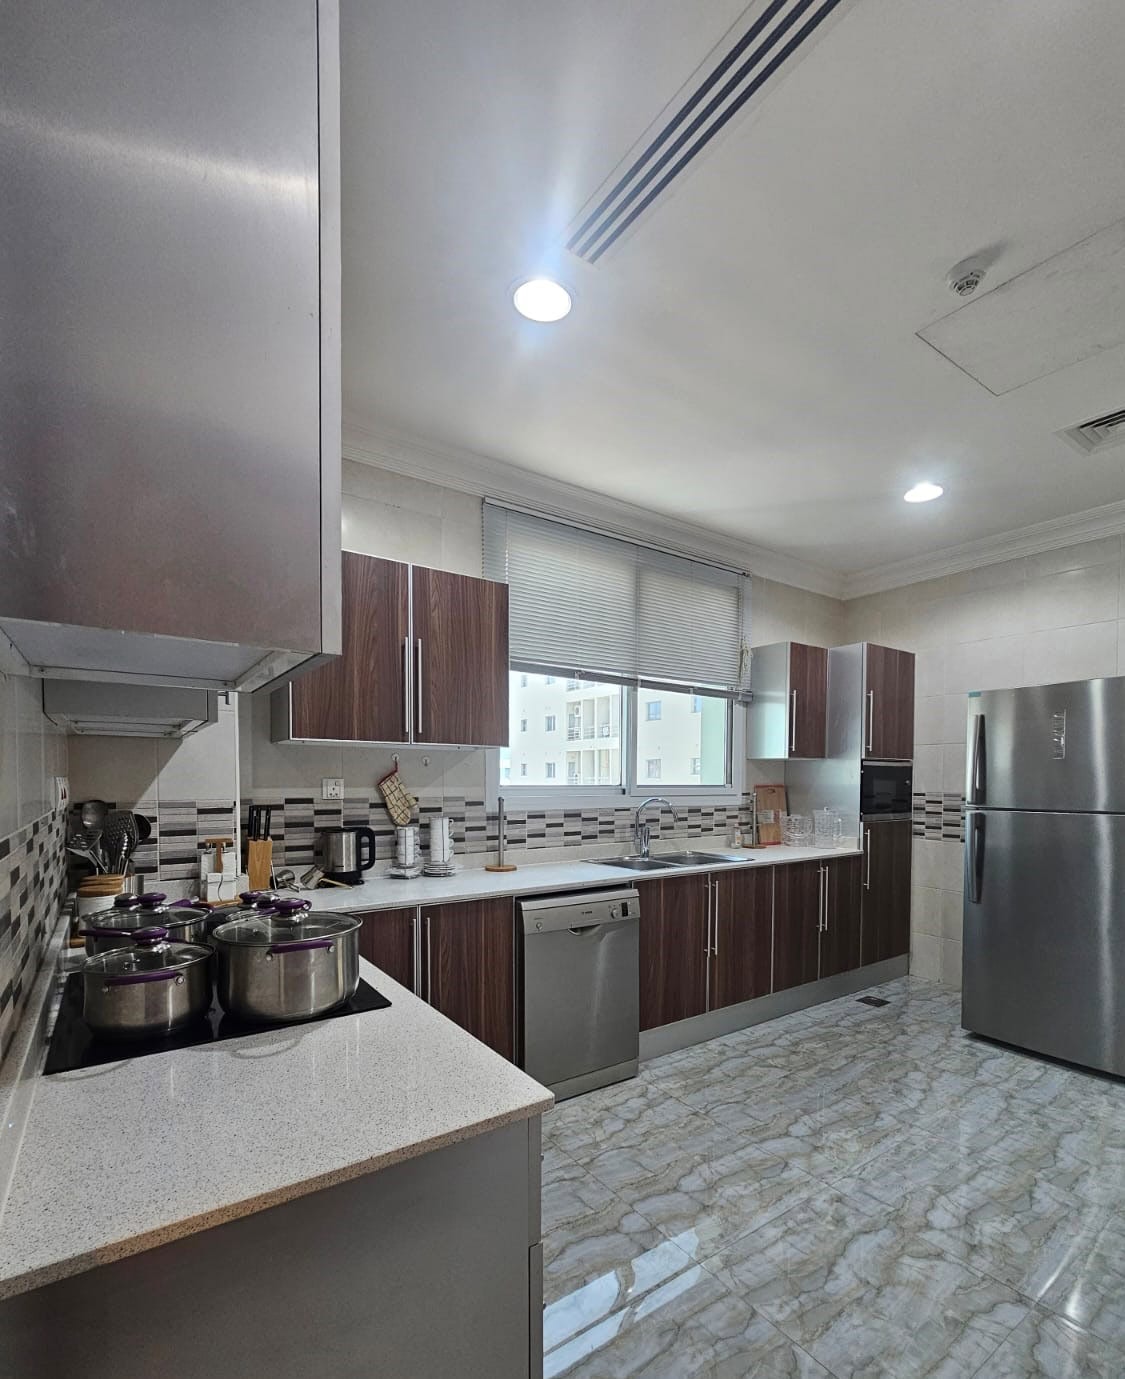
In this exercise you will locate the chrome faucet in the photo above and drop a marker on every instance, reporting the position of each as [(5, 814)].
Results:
[(642, 833)]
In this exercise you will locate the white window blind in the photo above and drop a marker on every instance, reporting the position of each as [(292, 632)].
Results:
[(611, 610)]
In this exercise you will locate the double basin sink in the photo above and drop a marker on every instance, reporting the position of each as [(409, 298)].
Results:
[(667, 861)]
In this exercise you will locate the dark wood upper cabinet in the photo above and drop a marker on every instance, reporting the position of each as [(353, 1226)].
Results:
[(840, 935), (788, 716), (425, 659), (361, 695), (808, 700), (797, 915), (886, 890), (674, 950), (888, 703), (387, 940), (461, 659), (468, 968), (741, 935)]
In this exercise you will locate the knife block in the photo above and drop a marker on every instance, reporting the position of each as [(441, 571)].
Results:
[(259, 863)]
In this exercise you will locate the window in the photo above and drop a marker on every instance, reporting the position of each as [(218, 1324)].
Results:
[(593, 716), (523, 768), (523, 725), (523, 682), (549, 770), (549, 723), (692, 745), (652, 710), (549, 680), (652, 768)]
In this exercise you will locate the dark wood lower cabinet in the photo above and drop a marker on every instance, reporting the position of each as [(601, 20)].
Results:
[(387, 940), (796, 924), (840, 937), (742, 936), (468, 968), (673, 949), (886, 890)]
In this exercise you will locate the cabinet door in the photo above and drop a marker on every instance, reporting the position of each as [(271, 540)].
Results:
[(468, 954), (840, 940), (460, 659), (674, 950), (889, 710), (808, 700), (886, 890), (742, 935), (387, 940), (361, 695), (796, 923)]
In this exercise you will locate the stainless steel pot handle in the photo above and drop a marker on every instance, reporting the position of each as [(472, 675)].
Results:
[(299, 945)]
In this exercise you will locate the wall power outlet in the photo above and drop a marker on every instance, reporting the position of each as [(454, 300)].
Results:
[(331, 788)]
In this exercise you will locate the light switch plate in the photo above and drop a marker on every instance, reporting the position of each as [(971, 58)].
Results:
[(62, 792), (331, 788)]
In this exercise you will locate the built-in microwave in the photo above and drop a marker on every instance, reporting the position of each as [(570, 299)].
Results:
[(885, 789)]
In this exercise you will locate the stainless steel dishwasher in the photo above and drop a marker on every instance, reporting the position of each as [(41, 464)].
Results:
[(581, 989)]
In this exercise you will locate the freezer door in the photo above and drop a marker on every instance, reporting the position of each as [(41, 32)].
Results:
[(1044, 940), (1058, 747)]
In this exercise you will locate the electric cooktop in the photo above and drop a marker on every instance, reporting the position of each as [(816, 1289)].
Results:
[(73, 1045)]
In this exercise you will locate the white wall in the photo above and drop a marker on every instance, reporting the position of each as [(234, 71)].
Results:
[(32, 753), (1037, 620)]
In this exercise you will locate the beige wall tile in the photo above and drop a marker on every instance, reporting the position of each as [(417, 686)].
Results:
[(1071, 653), (951, 964), (928, 720), (925, 910), (1072, 597), (925, 956), (952, 915)]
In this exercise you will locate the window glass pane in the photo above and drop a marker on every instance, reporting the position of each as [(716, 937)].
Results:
[(684, 742), (564, 733)]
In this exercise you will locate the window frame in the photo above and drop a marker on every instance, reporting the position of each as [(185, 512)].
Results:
[(627, 795)]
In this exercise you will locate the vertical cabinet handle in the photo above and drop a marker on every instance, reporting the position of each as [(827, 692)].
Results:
[(418, 685), (827, 884), (793, 720), (713, 890), (417, 983), (406, 685), (429, 969), (867, 854), (820, 900), (870, 720)]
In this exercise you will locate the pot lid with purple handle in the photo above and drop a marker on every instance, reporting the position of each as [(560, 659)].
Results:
[(259, 929), (126, 921), (146, 958)]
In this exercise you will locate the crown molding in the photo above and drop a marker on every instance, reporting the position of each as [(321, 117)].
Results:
[(485, 477), (1052, 535)]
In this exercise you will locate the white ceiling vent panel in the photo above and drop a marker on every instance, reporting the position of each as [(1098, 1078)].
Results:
[(768, 40), (1101, 433), (1067, 308)]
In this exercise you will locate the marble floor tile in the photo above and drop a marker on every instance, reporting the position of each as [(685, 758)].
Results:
[(1088, 1287), (1044, 1346), (605, 1242), (689, 1326), (864, 1295), (614, 1116), (828, 1140)]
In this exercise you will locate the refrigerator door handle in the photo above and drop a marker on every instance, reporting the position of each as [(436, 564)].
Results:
[(976, 858), (976, 767)]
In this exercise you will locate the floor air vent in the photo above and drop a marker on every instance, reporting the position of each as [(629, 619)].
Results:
[(733, 75), (873, 1001), (1099, 434)]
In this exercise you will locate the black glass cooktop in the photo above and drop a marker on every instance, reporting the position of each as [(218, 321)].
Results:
[(74, 1046)]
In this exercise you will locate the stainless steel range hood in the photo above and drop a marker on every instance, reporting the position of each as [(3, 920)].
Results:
[(170, 393), (84, 707)]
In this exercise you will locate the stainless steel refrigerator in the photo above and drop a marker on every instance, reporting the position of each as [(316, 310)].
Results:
[(1044, 940)]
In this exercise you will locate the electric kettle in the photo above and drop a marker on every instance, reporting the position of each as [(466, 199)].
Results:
[(344, 854)]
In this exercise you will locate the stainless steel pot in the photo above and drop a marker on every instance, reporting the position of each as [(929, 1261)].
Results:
[(150, 989), (117, 927), (286, 963)]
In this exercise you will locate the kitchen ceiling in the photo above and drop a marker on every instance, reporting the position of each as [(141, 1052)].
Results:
[(746, 356)]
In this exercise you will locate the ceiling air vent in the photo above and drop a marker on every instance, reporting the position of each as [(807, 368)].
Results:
[(766, 39), (1100, 434)]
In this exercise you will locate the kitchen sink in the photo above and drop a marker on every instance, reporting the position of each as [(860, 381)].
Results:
[(632, 863), (696, 859)]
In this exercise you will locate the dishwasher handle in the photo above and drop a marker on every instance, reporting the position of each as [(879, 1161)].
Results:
[(579, 919)]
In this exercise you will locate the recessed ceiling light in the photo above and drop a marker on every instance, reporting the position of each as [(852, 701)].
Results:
[(925, 492), (541, 299)]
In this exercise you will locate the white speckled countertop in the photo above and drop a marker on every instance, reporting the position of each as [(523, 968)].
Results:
[(383, 892), (120, 1158)]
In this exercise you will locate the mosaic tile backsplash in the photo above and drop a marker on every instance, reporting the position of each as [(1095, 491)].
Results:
[(32, 891), (939, 816)]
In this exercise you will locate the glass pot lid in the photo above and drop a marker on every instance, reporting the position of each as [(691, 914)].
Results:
[(153, 953)]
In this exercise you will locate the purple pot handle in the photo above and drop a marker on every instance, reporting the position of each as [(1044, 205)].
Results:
[(291, 907), (158, 974), (148, 938), (126, 902), (151, 899), (182, 905), (297, 945)]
